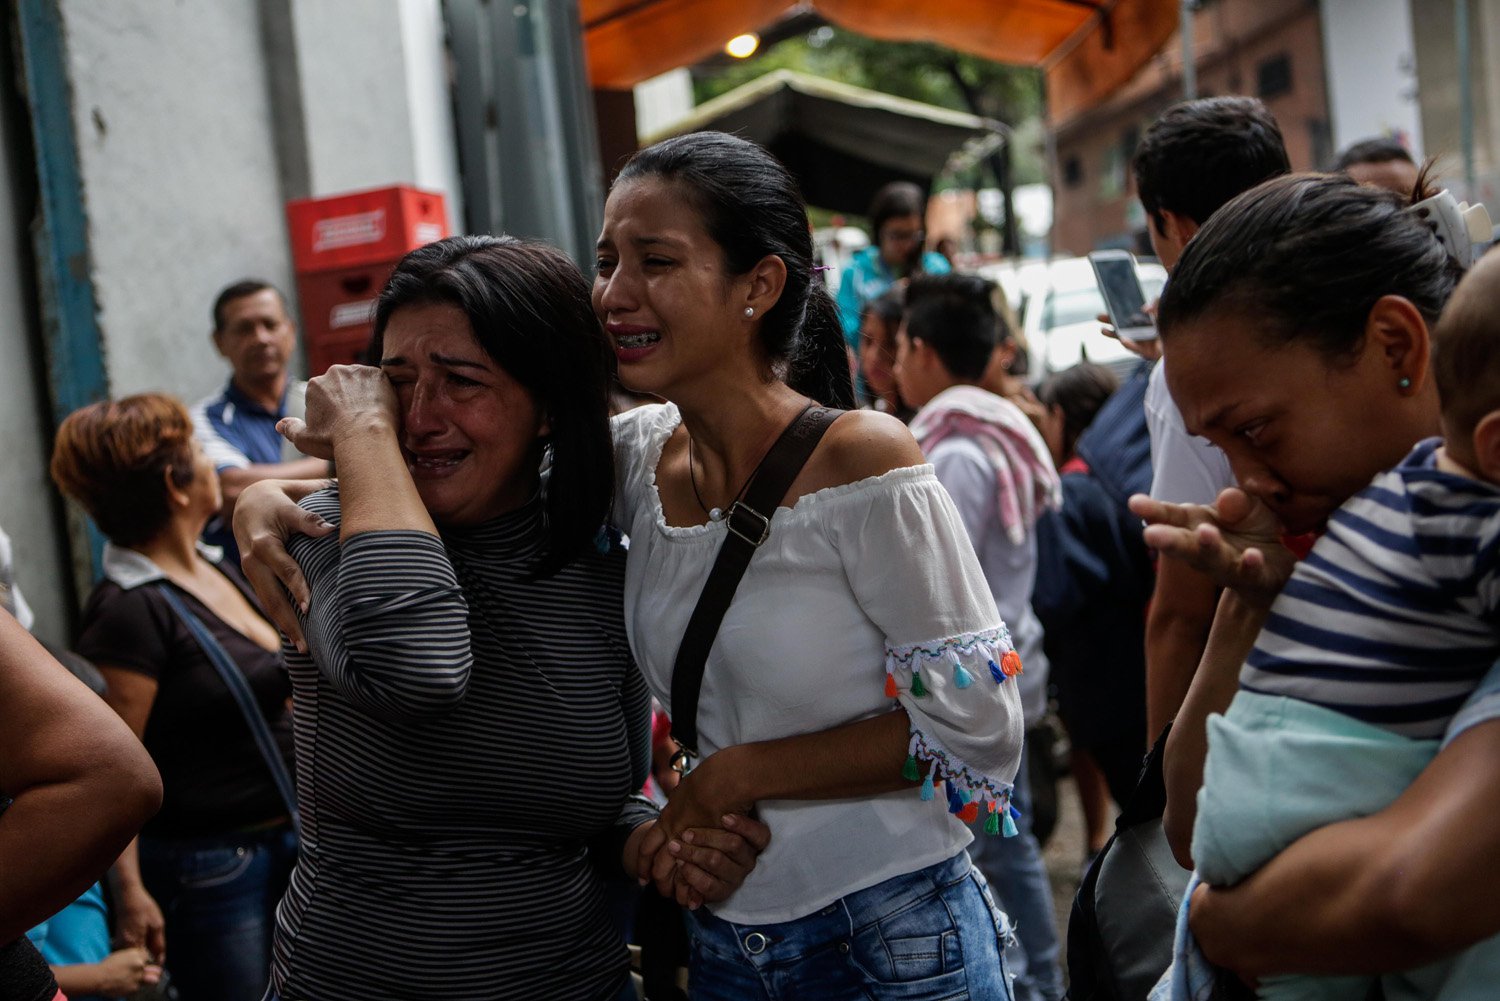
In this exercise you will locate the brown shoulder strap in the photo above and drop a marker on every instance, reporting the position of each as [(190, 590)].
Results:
[(749, 524)]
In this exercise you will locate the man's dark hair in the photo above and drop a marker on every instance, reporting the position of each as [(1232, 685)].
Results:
[(239, 290), (1200, 154), (956, 315), (1379, 150)]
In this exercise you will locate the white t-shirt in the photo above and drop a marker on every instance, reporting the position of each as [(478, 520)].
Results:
[(855, 582), (1185, 469), (1010, 568)]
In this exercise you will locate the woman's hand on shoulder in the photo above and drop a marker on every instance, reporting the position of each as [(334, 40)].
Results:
[(265, 517), (1236, 541), (860, 444)]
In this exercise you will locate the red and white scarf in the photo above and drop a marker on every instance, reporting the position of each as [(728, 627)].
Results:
[(1026, 482)]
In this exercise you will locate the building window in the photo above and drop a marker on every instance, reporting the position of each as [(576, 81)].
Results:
[(1072, 171), (1274, 77)]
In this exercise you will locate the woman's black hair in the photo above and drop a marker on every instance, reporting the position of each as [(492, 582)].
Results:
[(752, 209), (529, 307), (1078, 392), (1305, 257)]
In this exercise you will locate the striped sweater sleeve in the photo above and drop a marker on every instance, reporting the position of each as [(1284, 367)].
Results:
[(388, 625)]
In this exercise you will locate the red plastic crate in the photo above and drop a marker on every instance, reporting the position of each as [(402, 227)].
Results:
[(363, 227), (338, 313)]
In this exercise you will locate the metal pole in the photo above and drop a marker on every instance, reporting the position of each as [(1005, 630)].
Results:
[(1465, 93), (1189, 60)]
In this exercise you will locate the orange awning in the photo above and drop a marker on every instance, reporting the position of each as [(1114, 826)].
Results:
[(1088, 48)]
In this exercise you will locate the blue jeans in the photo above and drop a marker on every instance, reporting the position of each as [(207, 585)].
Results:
[(1016, 873), (219, 897), (928, 935)]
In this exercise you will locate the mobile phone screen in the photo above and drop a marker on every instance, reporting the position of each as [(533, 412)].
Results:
[(1124, 298)]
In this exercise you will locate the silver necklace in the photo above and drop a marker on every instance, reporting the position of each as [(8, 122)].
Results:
[(714, 513)]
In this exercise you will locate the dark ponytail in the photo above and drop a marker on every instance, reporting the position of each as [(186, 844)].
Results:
[(752, 209), (1305, 257), (820, 369)]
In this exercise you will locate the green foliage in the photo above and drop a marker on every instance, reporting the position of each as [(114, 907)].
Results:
[(919, 71)]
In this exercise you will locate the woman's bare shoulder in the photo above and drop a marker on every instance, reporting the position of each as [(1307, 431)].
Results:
[(859, 445)]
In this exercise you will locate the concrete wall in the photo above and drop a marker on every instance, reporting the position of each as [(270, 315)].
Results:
[(181, 141), (1371, 57), (177, 153)]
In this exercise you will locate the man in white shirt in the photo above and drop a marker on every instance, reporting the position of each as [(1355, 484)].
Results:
[(996, 467), (1194, 158)]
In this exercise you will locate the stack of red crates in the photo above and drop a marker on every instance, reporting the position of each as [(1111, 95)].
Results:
[(343, 249)]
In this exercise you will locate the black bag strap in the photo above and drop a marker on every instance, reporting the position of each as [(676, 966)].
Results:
[(234, 680), (749, 524)]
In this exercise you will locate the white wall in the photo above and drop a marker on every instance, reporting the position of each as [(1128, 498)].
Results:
[(434, 143), (177, 155), (178, 145), (1370, 59)]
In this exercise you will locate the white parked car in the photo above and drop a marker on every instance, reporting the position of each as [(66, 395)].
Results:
[(1060, 312)]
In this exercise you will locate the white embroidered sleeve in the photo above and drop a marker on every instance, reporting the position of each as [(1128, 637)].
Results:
[(949, 659)]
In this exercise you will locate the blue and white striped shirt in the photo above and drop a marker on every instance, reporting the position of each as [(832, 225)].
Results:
[(1394, 617)]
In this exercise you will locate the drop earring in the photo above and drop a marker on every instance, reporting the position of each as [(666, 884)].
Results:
[(749, 312)]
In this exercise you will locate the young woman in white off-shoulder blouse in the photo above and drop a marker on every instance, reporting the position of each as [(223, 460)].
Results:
[(857, 691)]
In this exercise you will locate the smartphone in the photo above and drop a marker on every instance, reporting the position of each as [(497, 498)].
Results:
[(1124, 299)]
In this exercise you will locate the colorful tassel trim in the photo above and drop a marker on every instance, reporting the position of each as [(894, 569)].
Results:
[(953, 651), (965, 794)]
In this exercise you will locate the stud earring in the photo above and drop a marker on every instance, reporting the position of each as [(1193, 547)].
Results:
[(1404, 383), (749, 312)]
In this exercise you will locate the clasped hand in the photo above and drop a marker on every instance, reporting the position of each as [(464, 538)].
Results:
[(705, 843), (1236, 542)]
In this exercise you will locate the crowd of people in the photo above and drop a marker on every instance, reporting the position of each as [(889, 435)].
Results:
[(392, 736)]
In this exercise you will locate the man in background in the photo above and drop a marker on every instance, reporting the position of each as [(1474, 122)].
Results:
[(237, 426)]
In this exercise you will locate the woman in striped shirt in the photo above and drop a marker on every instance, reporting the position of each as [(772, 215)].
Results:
[(470, 728)]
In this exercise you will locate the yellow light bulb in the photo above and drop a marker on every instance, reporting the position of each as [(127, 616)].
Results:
[(743, 46)]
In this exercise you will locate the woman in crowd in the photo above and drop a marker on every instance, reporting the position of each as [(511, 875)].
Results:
[(206, 872), (896, 252), (877, 353), (470, 725), (1308, 363), (861, 654)]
